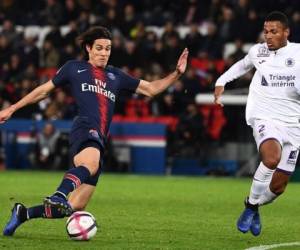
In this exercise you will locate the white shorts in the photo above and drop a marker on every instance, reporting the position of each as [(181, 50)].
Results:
[(264, 130)]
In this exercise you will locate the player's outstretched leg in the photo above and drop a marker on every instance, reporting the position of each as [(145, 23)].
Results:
[(246, 219), (18, 216), (72, 180)]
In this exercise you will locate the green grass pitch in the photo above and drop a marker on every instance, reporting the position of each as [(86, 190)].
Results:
[(151, 212)]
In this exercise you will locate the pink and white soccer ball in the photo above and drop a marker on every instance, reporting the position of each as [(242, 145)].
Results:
[(81, 225)]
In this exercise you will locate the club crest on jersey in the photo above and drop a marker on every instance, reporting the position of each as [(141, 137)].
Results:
[(289, 62), (94, 133), (263, 52), (111, 76)]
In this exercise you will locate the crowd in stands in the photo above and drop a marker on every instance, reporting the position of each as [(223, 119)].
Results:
[(137, 48)]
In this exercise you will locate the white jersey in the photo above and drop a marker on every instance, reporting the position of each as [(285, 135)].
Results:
[(274, 92)]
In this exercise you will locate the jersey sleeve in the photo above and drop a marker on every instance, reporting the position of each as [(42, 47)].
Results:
[(128, 82), (62, 75), (236, 70)]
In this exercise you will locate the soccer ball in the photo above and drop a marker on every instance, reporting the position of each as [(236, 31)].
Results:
[(81, 225)]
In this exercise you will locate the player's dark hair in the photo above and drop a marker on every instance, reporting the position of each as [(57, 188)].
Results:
[(92, 34), (278, 16)]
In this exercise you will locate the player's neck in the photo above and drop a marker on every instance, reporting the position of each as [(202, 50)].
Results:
[(94, 65)]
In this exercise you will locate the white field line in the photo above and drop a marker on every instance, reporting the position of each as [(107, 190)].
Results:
[(265, 247)]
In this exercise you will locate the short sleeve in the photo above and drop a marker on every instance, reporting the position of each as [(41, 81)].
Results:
[(61, 77), (128, 82)]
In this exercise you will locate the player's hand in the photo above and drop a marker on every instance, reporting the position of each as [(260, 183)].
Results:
[(218, 92), (182, 62), (5, 114)]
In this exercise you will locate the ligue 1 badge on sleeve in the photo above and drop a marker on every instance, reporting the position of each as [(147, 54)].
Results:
[(289, 62)]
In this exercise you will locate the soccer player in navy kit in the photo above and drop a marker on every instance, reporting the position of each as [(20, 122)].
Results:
[(95, 87)]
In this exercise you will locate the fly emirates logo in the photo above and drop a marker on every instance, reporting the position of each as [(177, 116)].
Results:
[(99, 88)]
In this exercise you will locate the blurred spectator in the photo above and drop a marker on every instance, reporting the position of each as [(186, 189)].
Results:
[(239, 52), (228, 26), (5, 49), (9, 10), (193, 40), (194, 11), (50, 57), (253, 24), (212, 45), (29, 51), (60, 107), (45, 155), (132, 57), (172, 50), (191, 83), (158, 54), (9, 31), (70, 37), (169, 31), (54, 36), (214, 11), (23, 88), (70, 12), (111, 20), (3, 103), (83, 22), (15, 68), (118, 54), (295, 27), (53, 13), (129, 20), (189, 133), (167, 105), (30, 72)]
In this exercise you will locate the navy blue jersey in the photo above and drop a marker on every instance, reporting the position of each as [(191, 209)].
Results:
[(95, 90)]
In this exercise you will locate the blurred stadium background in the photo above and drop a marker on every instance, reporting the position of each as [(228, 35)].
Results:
[(179, 132)]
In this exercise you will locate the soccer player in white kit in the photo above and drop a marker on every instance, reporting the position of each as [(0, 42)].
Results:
[(273, 111)]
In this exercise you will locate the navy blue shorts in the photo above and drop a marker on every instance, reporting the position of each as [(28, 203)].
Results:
[(83, 136)]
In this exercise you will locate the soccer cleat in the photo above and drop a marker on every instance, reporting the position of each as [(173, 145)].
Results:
[(245, 221), (255, 227), (60, 203), (18, 216)]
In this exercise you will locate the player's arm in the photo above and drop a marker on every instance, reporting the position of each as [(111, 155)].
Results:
[(34, 96), (155, 87), (235, 71)]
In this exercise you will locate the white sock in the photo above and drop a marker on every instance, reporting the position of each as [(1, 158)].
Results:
[(260, 183), (267, 197)]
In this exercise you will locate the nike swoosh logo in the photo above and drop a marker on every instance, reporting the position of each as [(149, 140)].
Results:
[(81, 70)]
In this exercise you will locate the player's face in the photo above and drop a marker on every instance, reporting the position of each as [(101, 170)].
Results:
[(99, 53), (275, 34)]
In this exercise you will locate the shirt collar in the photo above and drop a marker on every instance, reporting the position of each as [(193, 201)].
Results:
[(283, 49)]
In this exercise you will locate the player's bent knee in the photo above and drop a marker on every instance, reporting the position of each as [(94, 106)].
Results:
[(271, 162), (91, 165)]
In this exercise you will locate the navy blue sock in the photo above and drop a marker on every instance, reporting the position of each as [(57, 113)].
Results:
[(35, 212), (41, 211), (72, 180)]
